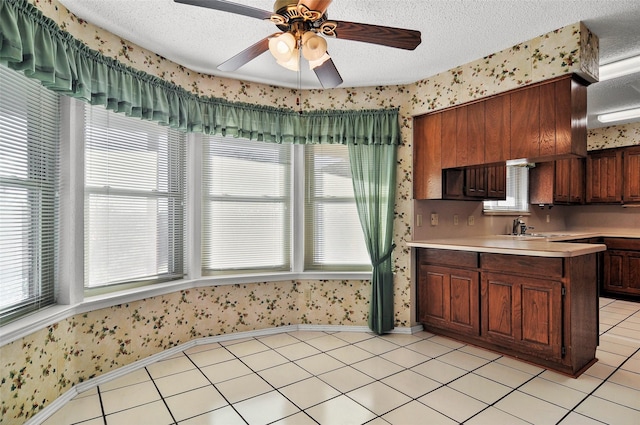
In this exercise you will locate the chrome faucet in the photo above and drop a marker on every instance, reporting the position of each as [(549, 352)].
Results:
[(519, 226)]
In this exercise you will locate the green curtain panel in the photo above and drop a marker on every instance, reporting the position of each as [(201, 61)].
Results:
[(373, 172), (34, 44)]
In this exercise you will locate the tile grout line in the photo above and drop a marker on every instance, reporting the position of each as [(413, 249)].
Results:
[(301, 410), (214, 386), (161, 396), (596, 389), (104, 417)]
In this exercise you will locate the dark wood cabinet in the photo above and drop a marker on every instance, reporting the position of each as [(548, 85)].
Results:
[(475, 183), (427, 168), (525, 123), (613, 176), (541, 309), (497, 131), (541, 122), (523, 313), (604, 176), (449, 298), (557, 182), (621, 267), (631, 172), (569, 181)]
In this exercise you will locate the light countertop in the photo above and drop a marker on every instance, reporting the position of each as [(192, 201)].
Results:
[(537, 246)]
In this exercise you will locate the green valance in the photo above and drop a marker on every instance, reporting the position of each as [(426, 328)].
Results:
[(34, 44)]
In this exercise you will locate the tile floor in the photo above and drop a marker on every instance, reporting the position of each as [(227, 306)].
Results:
[(355, 378)]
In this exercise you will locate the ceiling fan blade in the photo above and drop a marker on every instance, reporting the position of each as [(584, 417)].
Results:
[(387, 36), (246, 55), (227, 6), (328, 74), (317, 5)]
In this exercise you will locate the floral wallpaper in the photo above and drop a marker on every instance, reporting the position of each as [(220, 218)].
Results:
[(36, 369), (614, 136)]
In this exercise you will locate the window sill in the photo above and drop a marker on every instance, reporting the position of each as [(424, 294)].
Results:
[(48, 316), (506, 213)]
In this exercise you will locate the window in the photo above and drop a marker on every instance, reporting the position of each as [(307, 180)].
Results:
[(334, 237), (246, 206), (134, 200), (29, 134), (517, 201)]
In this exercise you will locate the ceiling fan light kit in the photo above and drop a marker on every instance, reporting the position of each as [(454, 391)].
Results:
[(301, 23)]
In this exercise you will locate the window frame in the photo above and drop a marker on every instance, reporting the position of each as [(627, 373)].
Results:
[(40, 185), (172, 170), (520, 186)]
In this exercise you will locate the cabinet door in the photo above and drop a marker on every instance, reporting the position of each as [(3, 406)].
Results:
[(569, 181), (448, 298), (427, 170), (475, 133), (497, 182), (613, 270), (525, 123), (523, 313), (631, 181), (449, 136), (632, 270), (621, 271), (462, 143), (604, 177), (476, 182), (562, 192), (497, 133)]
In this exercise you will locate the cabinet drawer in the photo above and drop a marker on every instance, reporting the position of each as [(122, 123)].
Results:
[(522, 264), (631, 244), (448, 257)]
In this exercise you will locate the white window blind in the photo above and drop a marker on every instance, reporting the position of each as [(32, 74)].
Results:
[(246, 214), (517, 193), (134, 200), (29, 134), (334, 237)]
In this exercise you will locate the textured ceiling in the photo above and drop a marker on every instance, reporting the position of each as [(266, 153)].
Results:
[(454, 32)]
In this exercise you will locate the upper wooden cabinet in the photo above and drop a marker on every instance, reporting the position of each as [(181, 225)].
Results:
[(631, 171), (497, 136), (473, 183), (557, 182), (541, 122), (604, 176), (427, 168), (548, 121), (613, 176)]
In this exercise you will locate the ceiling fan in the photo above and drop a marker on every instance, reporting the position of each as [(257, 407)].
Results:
[(303, 23)]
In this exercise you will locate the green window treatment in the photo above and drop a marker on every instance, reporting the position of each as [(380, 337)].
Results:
[(373, 171), (34, 44)]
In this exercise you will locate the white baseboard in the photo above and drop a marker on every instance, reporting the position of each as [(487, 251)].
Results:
[(59, 402)]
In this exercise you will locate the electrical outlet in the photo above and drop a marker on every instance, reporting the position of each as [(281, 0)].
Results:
[(471, 220), (419, 220), (307, 294), (548, 218), (434, 219), (455, 219)]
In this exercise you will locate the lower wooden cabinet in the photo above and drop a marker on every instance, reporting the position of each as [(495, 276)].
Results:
[(541, 309), (449, 298), (621, 267), (523, 313)]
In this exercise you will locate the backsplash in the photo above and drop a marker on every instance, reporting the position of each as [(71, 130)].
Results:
[(38, 368)]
